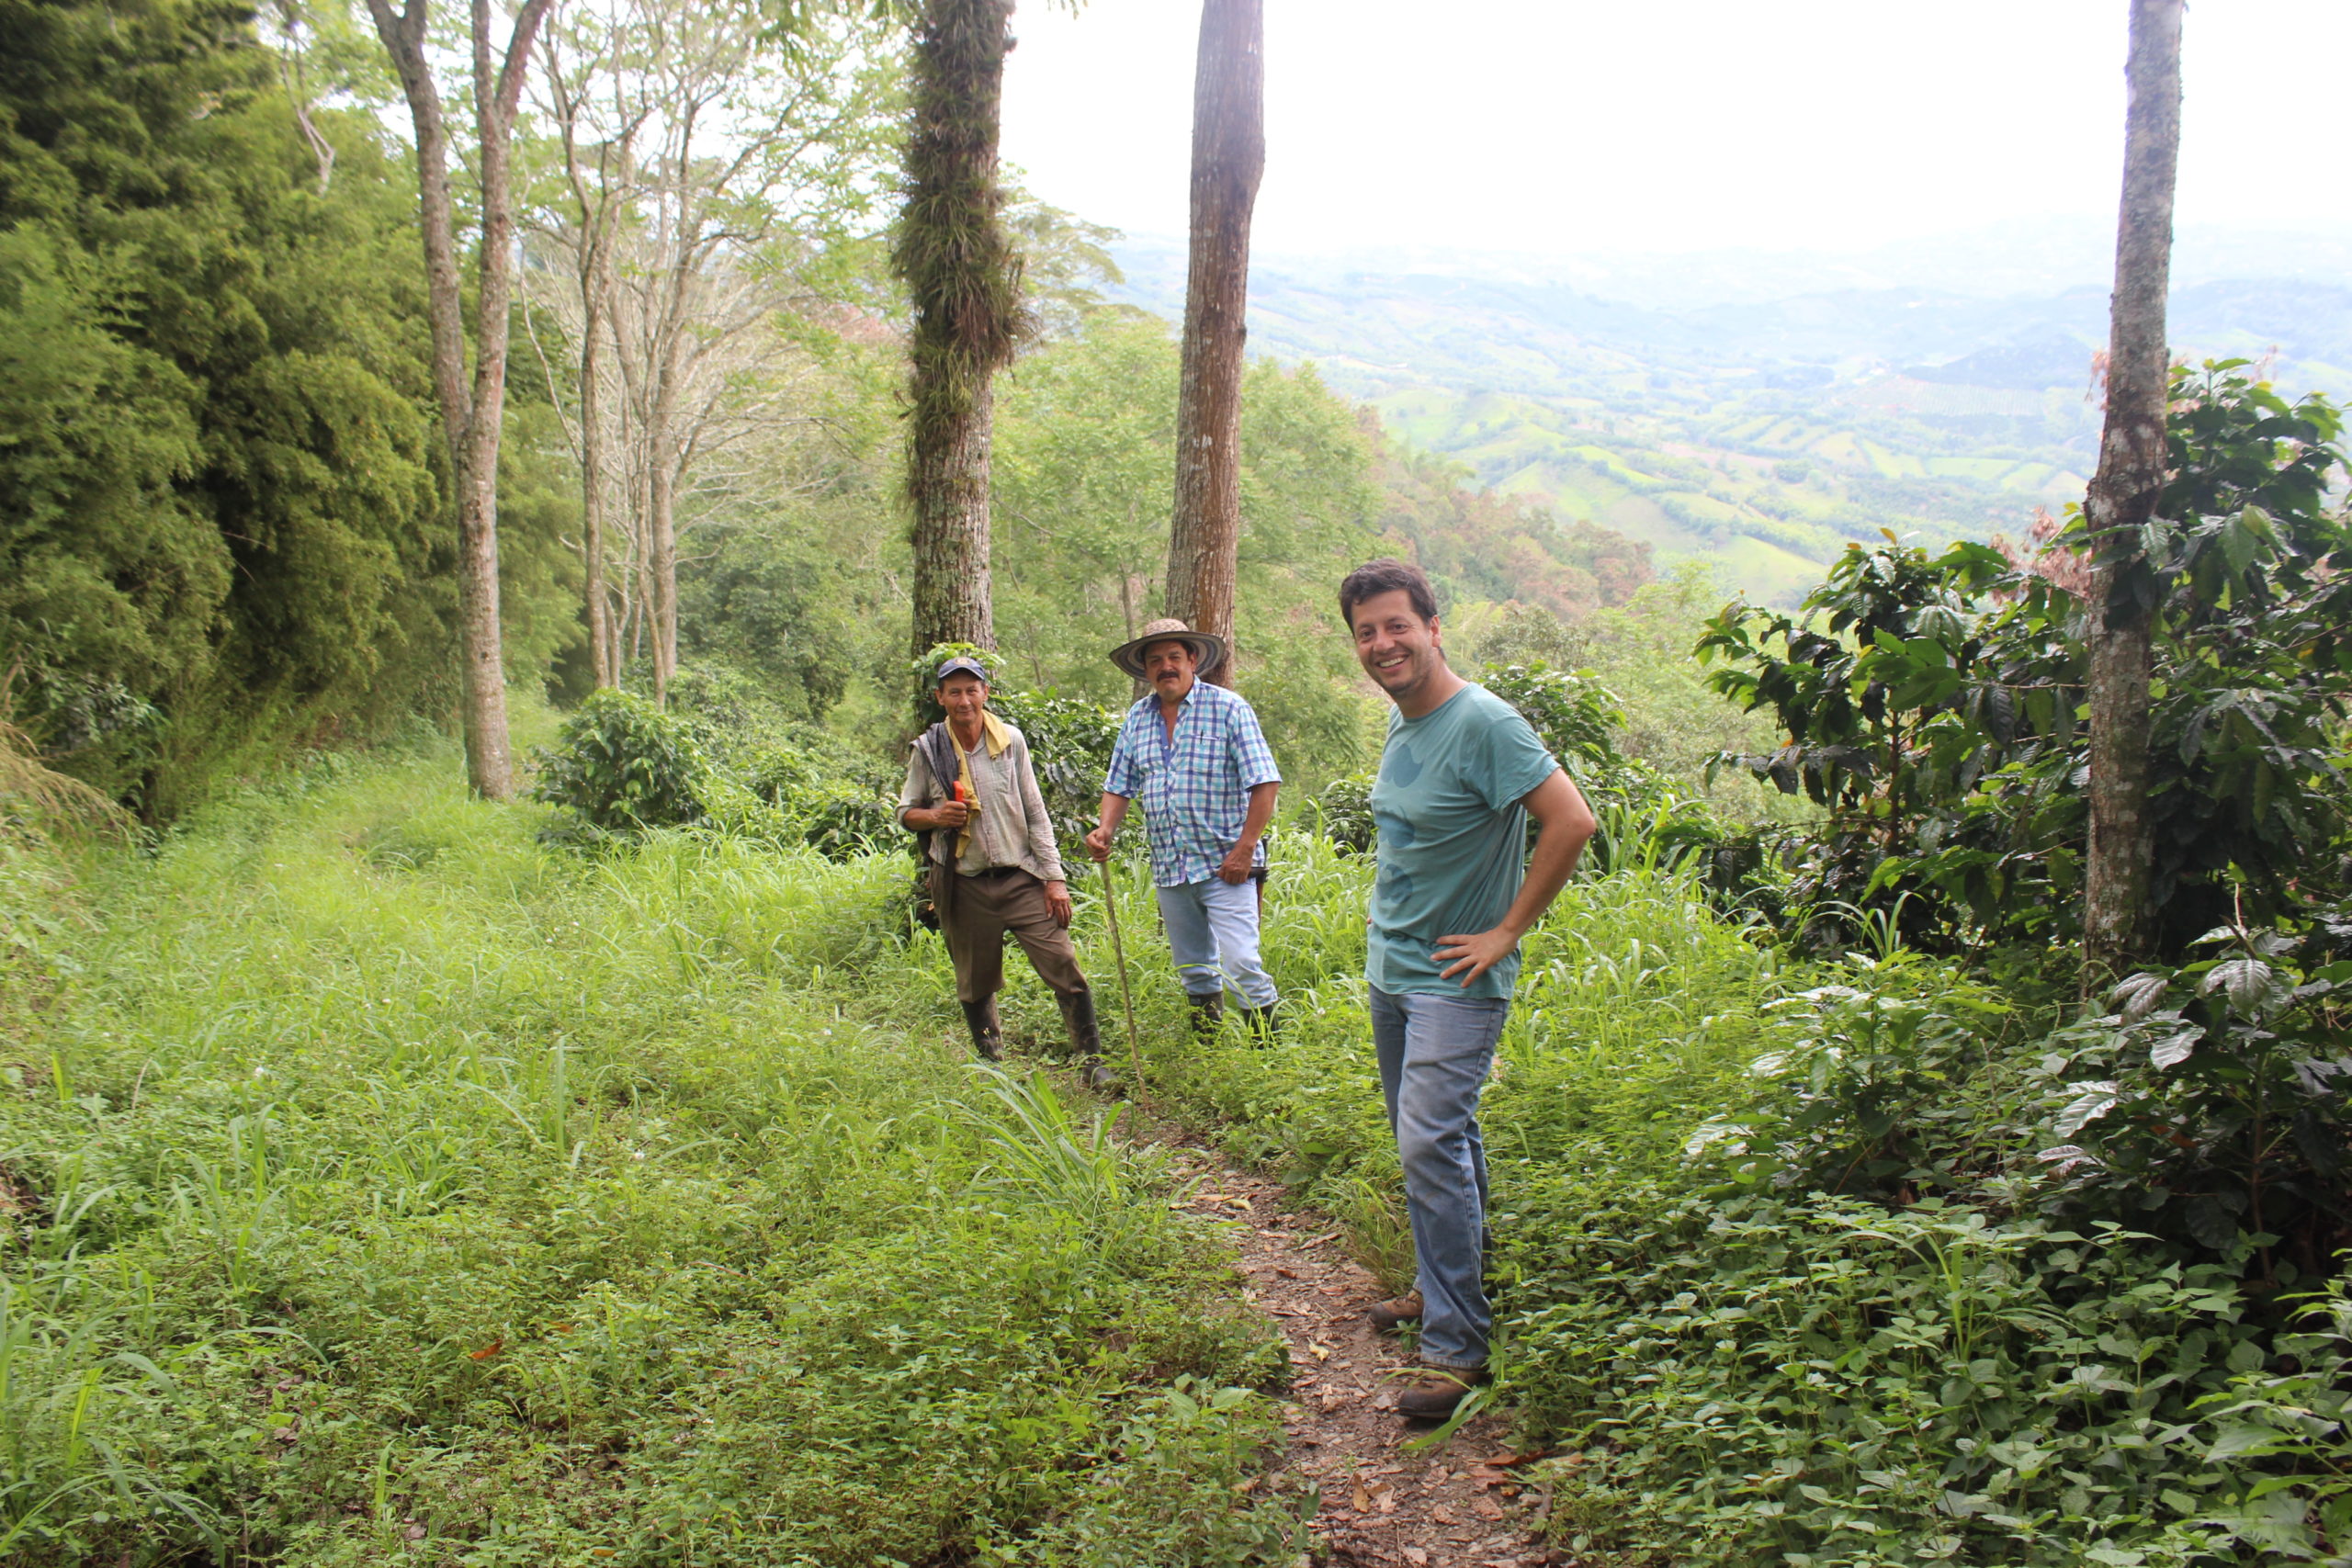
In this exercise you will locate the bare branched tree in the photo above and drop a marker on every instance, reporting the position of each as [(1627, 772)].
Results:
[(704, 165), (472, 414)]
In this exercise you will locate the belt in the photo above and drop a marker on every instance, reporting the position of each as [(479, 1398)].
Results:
[(988, 873)]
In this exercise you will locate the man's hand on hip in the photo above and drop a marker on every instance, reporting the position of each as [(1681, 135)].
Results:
[(1235, 868), (1473, 955)]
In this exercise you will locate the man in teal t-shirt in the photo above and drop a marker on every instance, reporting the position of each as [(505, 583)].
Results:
[(1459, 775)]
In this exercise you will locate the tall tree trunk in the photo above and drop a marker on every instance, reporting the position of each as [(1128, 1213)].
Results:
[(593, 273), (2122, 497), (641, 554), (965, 281), (663, 442), (592, 489), (661, 556), (1229, 158), (473, 418), (403, 37), (947, 478)]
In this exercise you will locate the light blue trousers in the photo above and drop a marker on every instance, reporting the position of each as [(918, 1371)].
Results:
[(1213, 932), (1434, 1053)]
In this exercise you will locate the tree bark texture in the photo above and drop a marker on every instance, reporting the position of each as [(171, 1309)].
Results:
[(965, 281), (593, 275), (1228, 158), (948, 474), (403, 35), (473, 417), (2122, 498), (602, 649), (663, 441), (662, 544)]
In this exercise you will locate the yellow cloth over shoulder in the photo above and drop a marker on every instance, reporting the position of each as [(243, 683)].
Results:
[(993, 730), (996, 738)]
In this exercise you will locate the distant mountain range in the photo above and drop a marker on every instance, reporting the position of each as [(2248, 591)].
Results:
[(1716, 418)]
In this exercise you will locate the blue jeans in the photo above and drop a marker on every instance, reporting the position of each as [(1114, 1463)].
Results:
[(1434, 1052), (1213, 932)]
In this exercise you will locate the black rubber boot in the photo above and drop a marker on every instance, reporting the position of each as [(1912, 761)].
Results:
[(988, 1038), (1086, 1038), (1260, 1021), (1079, 1018), (1208, 1014)]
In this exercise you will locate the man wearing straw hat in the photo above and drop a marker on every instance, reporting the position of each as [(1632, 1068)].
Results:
[(1193, 754)]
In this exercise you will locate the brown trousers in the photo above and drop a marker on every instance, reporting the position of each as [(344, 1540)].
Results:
[(975, 912)]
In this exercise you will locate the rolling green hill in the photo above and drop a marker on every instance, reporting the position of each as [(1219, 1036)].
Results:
[(1760, 435)]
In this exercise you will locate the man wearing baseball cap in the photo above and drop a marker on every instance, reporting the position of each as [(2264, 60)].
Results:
[(972, 796), (1193, 753)]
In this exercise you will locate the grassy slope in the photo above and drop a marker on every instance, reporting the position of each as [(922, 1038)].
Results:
[(387, 1178), (1637, 1012), (546, 1211)]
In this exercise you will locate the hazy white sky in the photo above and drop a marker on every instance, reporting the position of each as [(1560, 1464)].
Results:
[(1580, 126)]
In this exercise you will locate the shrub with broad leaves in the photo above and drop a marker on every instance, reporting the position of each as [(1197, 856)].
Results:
[(2211, 1105), (1934, 704), (621, 765), (1343, 812)]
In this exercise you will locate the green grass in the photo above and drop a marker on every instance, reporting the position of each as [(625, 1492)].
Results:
[(1635, 1005), (390, 1187), (1772, 573), (1870, 467), (1744, 1373), (381, 1185)]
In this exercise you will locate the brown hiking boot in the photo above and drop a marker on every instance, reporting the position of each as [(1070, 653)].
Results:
[(1436, 1392), (1390, 1315)]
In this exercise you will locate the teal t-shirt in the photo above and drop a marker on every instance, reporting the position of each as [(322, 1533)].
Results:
[(1452, 838)]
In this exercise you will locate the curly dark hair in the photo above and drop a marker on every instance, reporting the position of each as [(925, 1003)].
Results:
[(1386, 575)]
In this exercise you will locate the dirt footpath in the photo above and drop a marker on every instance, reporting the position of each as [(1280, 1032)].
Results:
[(1458, 1505)]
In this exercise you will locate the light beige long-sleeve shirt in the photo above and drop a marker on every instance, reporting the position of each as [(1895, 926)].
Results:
[(1011, 828)]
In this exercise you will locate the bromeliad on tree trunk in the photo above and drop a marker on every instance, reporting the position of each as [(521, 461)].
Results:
[(964, 278)]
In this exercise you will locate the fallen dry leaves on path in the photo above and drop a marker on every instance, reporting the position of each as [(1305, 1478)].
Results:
[(1456, 1505)]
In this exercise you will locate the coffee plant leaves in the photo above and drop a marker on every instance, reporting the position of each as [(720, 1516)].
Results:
[(1932, 702)]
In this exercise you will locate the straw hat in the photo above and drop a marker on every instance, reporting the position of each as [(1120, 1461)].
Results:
[(1208, 650)]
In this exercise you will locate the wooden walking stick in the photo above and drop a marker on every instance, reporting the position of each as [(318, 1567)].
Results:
[(1126, 995)]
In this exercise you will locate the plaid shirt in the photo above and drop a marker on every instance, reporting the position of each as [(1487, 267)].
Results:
[(1194, 791)]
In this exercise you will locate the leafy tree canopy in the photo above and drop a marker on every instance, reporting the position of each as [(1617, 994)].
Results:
[(220, 495)]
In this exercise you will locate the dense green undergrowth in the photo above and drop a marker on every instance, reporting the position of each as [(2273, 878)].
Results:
[(383, 1184), (1787, 1272), (387, 1179)]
